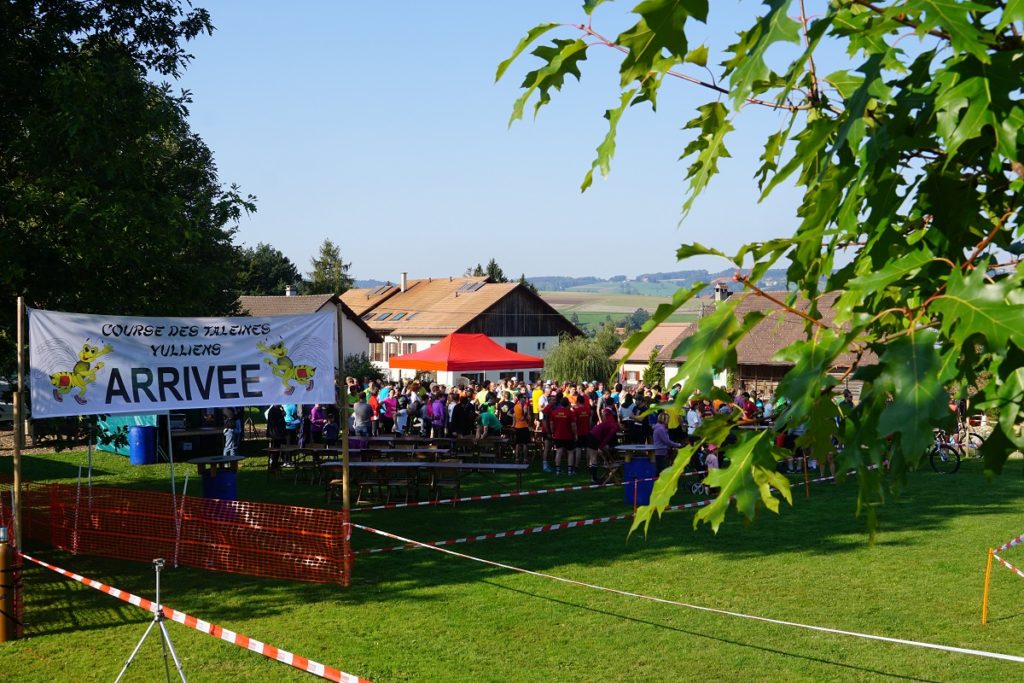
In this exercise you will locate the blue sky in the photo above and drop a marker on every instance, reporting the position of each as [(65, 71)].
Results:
[(379, 126)]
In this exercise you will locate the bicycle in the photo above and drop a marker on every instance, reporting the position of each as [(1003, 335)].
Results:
[(944, 455)]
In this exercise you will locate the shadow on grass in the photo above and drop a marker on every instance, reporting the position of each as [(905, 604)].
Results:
[(696, 634), (820, 527)]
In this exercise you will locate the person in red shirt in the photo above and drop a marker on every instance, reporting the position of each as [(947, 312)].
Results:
[(600, 438), (562, 426), (581, 413)]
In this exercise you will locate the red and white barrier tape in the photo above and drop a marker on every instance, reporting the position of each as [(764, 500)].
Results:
[(237, 639), (558, 526), (713, 610), (511, 494), (1009, 544), (1009, 566)]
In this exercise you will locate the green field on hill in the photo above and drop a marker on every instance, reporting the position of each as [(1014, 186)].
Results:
[(592, 308), (419, 615)]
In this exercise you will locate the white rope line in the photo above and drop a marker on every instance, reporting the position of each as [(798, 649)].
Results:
[(713, 610)]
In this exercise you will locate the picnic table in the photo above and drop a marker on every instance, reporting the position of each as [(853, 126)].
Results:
[(219, 474), (406, 474)]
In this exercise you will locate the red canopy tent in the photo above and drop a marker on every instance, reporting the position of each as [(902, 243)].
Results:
[(465, 352)]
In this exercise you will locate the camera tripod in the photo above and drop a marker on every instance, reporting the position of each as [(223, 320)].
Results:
[(165, 638)]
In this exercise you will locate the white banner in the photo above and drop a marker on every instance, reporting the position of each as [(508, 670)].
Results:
[(103, 364)]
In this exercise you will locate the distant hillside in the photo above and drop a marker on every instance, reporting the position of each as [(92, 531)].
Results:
[(648, 284)]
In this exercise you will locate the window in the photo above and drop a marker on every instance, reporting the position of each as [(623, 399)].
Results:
[(367, 316), (412, 315), (408, 348), (512, 346), (541, 346), (392, 349), (377, 352), (397, 317), (383, 316)]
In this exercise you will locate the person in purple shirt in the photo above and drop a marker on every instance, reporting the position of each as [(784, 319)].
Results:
[(663, 443)]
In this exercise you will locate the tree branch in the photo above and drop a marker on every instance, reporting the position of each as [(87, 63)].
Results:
[(740, 277), (969, 264), (815, 96), (900, 18), (601, 40)]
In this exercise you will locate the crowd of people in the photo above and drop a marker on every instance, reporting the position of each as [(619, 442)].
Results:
[(575, 424)]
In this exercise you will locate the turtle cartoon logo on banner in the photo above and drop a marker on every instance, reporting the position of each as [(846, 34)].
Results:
[(138, 365)]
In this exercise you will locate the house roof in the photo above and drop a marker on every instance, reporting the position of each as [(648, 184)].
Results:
[(363, 299), (297, 305), (781, 328), (429, 307), (665, 338)]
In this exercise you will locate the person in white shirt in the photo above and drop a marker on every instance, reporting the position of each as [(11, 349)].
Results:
[(693, 419)]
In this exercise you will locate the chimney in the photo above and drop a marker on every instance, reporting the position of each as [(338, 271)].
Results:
[(403, 281), (289, 291), (722, 291)]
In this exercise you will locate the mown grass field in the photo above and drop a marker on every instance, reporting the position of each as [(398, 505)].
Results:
[(424, 616)]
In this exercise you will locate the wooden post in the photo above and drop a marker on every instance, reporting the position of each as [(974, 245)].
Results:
[(984, 597), (19, 426), (807, 481), (343, 416)]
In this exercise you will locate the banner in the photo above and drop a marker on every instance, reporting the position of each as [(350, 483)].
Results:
[(103, 364)]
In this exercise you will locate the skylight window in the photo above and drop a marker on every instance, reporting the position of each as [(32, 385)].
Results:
[(398, 316), (383, 316)]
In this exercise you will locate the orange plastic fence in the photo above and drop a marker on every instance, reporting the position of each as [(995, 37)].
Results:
[(13, 579), (256, 539)]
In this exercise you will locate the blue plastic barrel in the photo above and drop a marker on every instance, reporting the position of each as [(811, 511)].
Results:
[(223, 486), (142, 444), (638, 468)]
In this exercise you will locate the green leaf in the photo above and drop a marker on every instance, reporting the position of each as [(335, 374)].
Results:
[(907, 265), (971, 306), (531, 35), (748, 479), (696, 249), (658, 39), (1014, 11), (972, 96), (911, 373), (772, 152), (606, 150), (562, 58), (709, 146), (747, 65), (845, 82), (664, 489), (952, 17), (698, 56)]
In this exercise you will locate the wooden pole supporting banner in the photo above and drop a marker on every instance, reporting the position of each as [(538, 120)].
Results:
[(984, 597), (19, 423), (341, 393)]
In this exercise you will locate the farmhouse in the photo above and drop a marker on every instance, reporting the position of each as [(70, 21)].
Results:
[(356, 335), (417, 313), (757, 366), (662, 341)]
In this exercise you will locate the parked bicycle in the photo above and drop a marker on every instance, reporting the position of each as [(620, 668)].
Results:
[(949, 448)]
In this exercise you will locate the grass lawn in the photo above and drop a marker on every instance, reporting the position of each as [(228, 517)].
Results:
[(423, 616)]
